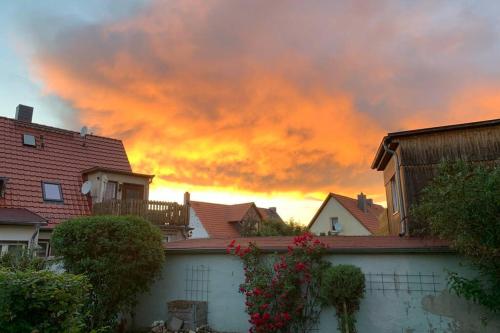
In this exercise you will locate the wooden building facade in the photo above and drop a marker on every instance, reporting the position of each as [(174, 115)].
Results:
[(409, 160)]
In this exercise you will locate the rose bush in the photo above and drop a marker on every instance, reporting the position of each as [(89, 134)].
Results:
[(282, 295)]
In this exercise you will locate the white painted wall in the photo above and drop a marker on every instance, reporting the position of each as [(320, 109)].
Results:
[(388, 311), (194, 222), (350, 225), (16, 232)]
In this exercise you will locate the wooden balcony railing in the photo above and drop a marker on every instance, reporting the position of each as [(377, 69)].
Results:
[(157, 212)]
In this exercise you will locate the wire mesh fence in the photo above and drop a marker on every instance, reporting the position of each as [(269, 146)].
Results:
[(403, 282), (196, 283)]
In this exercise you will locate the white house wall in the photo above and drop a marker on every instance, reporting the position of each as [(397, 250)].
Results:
[(381, 310), (16, 232), (350, 225), (194, 222)]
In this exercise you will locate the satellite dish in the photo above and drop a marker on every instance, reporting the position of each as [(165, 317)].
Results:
[(86, 187), (84, 131)]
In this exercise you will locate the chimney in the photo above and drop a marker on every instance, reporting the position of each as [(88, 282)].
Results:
[(362, 204), (272, 209), (186, 198), (369, 202), (24, 113)]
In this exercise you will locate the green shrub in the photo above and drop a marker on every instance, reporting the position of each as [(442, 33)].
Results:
[(121, 256), (42, 301), (26, 260), (343, 287), (462, 205)]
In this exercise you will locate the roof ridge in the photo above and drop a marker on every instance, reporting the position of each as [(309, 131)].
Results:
[(54, 129)]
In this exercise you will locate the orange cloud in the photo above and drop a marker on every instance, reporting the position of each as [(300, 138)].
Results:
[(266, 97)]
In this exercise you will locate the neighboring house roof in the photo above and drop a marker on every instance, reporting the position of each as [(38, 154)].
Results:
[(269, 214), (20, 216), (217, 219), (381, 159), (334, 244), (60, 156), (368, 219)]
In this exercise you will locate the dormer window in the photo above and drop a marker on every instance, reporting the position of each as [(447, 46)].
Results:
[(52, 192), (3, 186), (29, 140)]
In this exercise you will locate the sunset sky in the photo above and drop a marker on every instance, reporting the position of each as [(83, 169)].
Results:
[(276, 102)]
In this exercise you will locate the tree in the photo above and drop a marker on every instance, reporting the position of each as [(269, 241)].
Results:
[(274, 227), (343, 287), (121, 256), (462, 205)]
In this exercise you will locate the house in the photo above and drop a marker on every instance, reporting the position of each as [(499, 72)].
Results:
[(49, 175), (409, 160), (341, 215), (213, 220)]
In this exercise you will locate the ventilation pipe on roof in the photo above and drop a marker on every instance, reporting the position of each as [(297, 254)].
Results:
[(403, 227)]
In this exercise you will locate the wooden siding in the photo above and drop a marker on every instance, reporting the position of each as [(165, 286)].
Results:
[(473, 144), (420, 156)]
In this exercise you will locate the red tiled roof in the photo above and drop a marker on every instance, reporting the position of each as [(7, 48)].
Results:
[(368, 219), (268, 213), (217, 218), (20, 216), (334, 243), (61, 159)]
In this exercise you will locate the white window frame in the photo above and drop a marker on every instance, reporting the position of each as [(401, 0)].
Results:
[(4, 245), (334, 220), (394, 195)]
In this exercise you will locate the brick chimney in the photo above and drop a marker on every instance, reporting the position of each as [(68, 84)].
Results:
[(362, 202), (24, 113)]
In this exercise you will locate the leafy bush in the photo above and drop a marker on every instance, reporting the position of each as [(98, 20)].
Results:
[(26, 260), (273, 227), (120, 255), (42, 301), (462, 205), (283, 297), (343, 287)]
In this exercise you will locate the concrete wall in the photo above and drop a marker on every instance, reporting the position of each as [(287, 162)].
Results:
[(381, 311), (350, 226), (195, 223)]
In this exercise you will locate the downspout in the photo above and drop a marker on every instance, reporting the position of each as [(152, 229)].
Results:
[(34, 238), (402, 223)]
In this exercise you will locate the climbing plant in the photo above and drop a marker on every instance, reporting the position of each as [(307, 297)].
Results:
[(282, 293)]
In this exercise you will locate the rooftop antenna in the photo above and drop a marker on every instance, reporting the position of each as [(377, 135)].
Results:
[(83, 133)]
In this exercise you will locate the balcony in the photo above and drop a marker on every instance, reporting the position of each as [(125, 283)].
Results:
[(160, 213)]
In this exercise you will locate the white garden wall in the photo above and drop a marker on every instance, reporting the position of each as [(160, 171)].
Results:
[(427, 307)]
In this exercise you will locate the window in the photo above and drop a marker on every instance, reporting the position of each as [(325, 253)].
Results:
[(29, 140), (3, 186), (52, 192), (42, 250), (15, 248), (336, 226), (110, 191), (395, 196)]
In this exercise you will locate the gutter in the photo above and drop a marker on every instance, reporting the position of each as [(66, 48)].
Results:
[(403, 225), (409, 250)]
